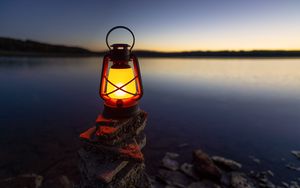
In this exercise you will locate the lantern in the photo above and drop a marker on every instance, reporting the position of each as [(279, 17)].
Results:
[(121, 82)]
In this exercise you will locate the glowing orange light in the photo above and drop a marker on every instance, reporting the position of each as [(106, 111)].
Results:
[(121, 82), (119, 77)]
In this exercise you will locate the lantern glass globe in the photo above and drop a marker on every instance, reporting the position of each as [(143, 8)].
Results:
[(120, 77)]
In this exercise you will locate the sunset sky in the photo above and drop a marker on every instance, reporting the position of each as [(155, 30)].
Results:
[(159, 25)]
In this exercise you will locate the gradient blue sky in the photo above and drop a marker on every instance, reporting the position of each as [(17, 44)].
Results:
[(168, 25)]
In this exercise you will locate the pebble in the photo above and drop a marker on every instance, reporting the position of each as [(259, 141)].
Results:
[(296, 153), (270, 173), (227, 164), (293, 167), (240, 180), (169, 162), (204, 165), (173, 178), (285, 184), (188, 169), (254, 159)]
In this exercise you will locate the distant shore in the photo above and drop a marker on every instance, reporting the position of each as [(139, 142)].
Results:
[(27, 48)]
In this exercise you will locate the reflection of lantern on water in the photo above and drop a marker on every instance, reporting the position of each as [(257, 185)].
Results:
[(121, 83)]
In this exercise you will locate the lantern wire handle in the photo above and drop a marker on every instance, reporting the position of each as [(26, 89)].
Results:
[(120, 27)]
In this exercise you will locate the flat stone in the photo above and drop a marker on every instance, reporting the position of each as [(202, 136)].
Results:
[(87, 135), (174, 178), (240, 180), (114, 132), (92, 167), (296, 153), (169, 162), (131, 150), (204, 184), (130, 176), (226, 164), (204, 165), (188, 169)]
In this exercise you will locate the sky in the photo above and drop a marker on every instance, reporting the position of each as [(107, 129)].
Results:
[(160, 25)]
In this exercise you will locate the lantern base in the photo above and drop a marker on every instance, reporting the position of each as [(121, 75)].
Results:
[(117, 113)]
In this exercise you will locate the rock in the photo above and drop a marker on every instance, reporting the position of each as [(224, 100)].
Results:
[(293, 167), (240, 180), (25, 180), (203, 184), (188, 169), (169, 162), (174, 178), (204, 166), (226, 164), (270, 173), (296, 153), (225, 179), (65, 182), (285, 184), (294, 184), (254, 159), (92, 167)]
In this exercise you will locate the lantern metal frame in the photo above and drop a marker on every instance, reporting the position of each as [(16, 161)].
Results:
[(120, 56)]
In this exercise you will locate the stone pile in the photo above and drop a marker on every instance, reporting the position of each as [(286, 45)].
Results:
[(210, 172), (111, 154)]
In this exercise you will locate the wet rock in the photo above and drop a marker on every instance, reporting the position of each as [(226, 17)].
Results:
[(284, 184), (254, 159), (169, 162), (203, 184), (296, 153), (240, 180), (226, 164), (270, 173), (174, 178), (294, 184), (204, 166), (262, 179), (293, 167), (188, 169)]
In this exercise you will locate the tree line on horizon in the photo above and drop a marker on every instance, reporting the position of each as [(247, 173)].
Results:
[(16, 47)]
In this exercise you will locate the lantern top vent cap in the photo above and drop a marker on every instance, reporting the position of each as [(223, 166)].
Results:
[(120, 27)]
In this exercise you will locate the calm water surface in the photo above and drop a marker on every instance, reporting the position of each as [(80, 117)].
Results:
[(229, 107)]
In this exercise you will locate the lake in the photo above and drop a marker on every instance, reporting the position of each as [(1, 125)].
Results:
[(235, 108)]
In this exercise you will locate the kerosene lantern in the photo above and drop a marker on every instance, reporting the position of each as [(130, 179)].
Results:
[(121, 82)]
